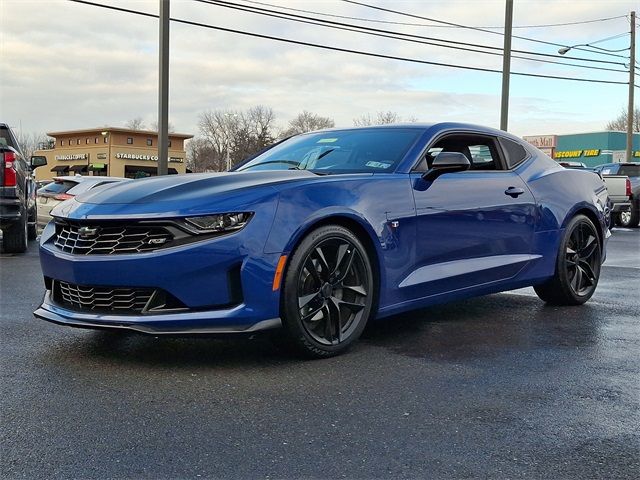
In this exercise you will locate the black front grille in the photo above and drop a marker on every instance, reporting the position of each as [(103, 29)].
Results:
[(105, 299), (87, 239)]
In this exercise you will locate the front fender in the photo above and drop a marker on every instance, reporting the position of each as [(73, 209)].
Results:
[(322, 216)]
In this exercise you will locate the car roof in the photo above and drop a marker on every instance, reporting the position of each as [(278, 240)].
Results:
[(439, 126)]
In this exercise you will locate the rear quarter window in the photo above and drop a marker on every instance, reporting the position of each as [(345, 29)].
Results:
[(514, 152)]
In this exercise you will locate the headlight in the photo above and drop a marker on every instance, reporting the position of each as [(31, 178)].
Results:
[(221, 223)]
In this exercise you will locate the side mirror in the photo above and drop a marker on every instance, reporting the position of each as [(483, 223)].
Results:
[(38, 161), (447, 162)]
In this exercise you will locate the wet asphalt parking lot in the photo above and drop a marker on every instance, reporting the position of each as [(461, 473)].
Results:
[(500, 386)]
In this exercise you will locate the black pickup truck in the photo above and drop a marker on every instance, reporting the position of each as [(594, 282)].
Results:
[(18, 209)]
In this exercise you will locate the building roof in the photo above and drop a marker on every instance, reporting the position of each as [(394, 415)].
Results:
[(85, 131)]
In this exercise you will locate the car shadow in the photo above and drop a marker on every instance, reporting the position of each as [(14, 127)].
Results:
[(476, 328), (485, 326), (178, 351)]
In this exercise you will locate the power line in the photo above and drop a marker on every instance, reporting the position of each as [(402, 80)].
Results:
[(372, 20), (343, 50), (369, 31), (591, 44), (395, 34), (397, 12)]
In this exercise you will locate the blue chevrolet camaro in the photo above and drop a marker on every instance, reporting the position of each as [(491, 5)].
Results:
[(322, 232)]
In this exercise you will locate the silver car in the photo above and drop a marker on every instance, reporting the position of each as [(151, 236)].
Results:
[(64, 188)]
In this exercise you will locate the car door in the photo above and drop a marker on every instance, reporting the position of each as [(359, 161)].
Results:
[(474, 227)]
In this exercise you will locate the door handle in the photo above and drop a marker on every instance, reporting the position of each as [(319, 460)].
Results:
[(514, 191)]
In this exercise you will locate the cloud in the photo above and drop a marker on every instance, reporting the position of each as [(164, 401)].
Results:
[(67, 65)]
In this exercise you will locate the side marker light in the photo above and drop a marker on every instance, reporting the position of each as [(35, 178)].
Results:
[(277, 278)]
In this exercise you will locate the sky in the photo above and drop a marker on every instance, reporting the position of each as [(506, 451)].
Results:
[(65, 65)]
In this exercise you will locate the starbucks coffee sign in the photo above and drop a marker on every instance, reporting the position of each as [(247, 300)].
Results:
[(75, 156), (142, 156), (136, 156)]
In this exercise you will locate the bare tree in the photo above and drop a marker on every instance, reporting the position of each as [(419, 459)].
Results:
[(620, 122), (30, 142), (307, 122), (381, 118), (154, 127), (201, 157), (136, 123), (236, 134)]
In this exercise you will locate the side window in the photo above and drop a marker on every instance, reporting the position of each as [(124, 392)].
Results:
[(482, 157), (514, 152), (481, 151)]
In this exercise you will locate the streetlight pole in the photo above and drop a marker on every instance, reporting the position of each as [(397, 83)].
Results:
[(163, 90), (632, 72), (506, 65)]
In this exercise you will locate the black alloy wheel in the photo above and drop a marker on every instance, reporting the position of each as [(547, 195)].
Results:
[(582, 259), (328, 292), (577, 266)]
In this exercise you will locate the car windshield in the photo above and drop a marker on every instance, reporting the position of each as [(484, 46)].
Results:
[(340, 151)]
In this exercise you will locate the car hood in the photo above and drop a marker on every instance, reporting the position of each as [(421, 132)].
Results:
[(183, 188)]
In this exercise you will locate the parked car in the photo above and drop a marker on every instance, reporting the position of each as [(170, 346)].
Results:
[(631, 170), (573, 165), (619, 189), (324, 231), (18, 207), (64, 188)]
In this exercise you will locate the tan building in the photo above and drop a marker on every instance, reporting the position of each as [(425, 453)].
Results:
[(117, 152)]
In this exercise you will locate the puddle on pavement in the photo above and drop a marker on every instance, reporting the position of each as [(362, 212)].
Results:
[(485, 326)]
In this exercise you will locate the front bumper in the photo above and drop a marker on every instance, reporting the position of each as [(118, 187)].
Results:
[(205, 322), (223, 284)]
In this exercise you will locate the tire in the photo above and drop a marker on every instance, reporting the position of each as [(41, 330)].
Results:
[(630, 219), (328, 293), (14, 237), (577, 266)]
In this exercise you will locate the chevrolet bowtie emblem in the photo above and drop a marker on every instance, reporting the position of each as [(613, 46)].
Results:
[(87, 231)]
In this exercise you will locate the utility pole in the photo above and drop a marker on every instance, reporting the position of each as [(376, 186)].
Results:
[(163, 90), (506, 65), (632, 72)]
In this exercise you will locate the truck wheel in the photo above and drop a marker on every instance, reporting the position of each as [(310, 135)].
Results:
[(634, 218), (623, 219), (14, 238)]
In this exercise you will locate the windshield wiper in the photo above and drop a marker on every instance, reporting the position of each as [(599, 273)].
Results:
[(324, 154), (286, 162)]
